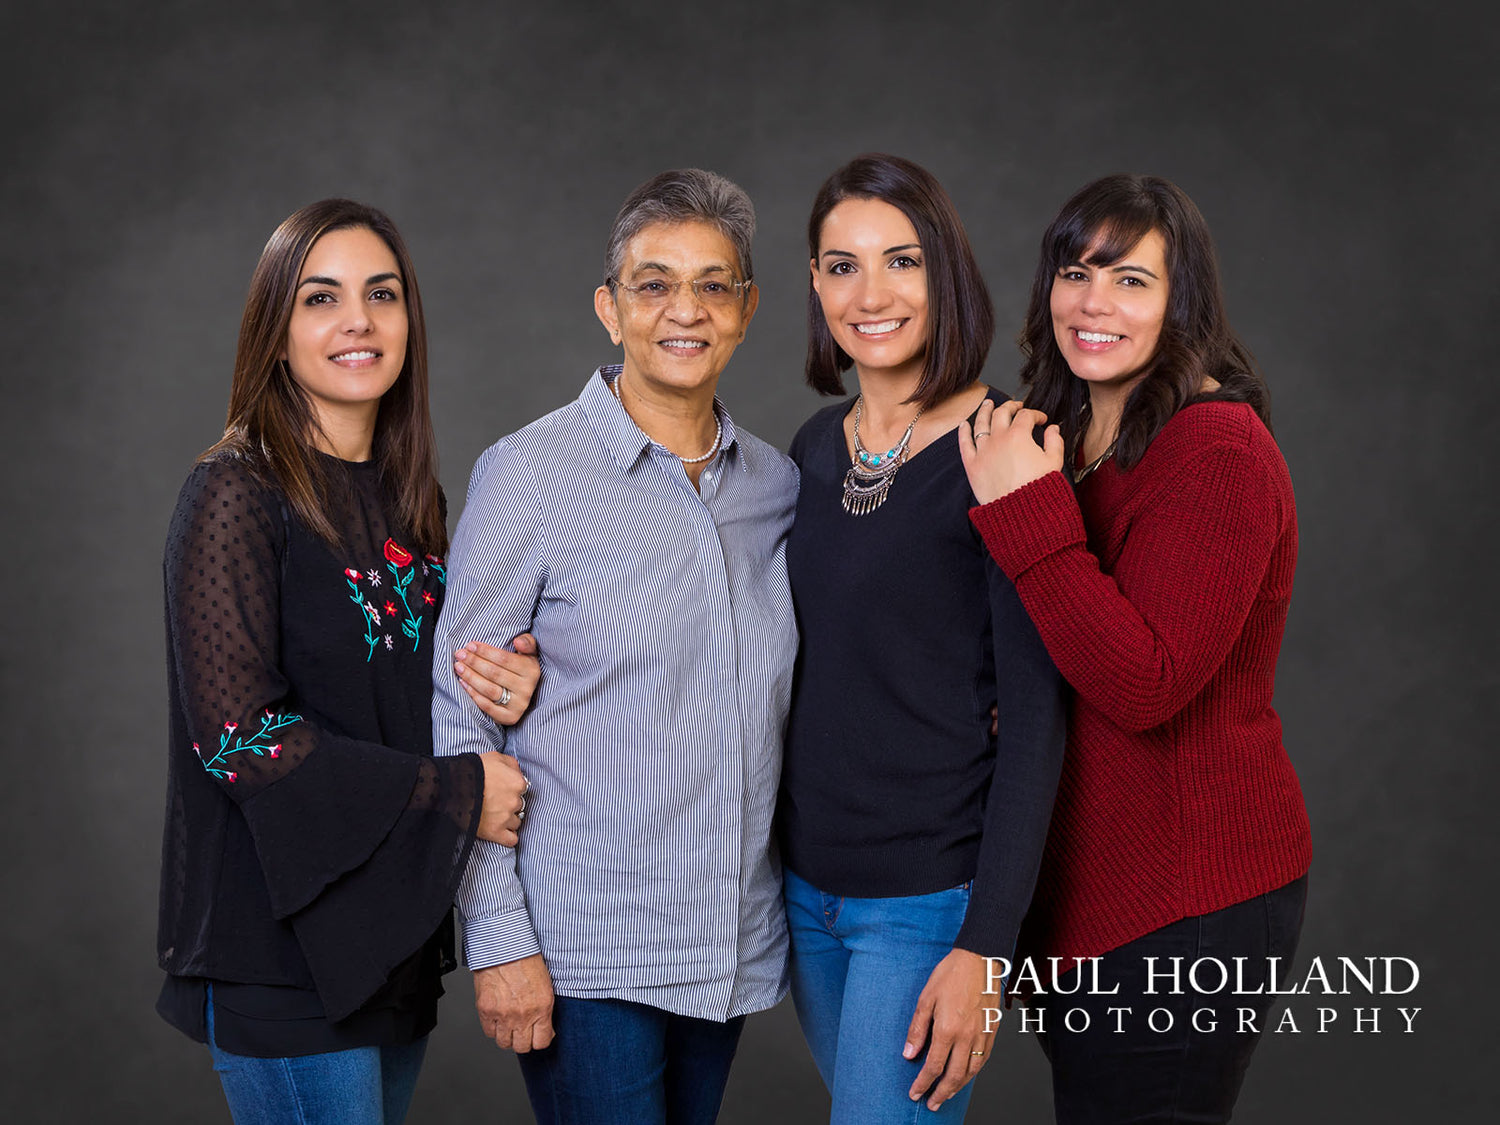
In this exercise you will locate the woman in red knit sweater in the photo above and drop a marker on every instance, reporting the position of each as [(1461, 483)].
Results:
[(1152, 537)]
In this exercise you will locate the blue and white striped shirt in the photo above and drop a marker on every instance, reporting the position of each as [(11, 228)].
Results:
[(653, 745)]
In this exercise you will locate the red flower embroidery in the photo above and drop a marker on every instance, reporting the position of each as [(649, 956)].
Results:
[(275, 751), (354, 574), (231, 778), (231, 727), (436, 559), (428, 598), (397, 553), (390, 607)]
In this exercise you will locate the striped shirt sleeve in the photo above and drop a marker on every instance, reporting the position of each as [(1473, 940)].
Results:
[(495, 575)]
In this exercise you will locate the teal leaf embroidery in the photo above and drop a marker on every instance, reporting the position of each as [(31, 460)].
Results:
[(262, 744)]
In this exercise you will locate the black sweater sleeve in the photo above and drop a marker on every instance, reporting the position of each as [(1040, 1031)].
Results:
[(1032, 710), (361, 845)]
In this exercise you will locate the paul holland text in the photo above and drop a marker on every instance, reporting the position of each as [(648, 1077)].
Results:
[(1218, 983)]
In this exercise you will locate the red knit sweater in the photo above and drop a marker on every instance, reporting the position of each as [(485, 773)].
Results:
[(1161, 594)]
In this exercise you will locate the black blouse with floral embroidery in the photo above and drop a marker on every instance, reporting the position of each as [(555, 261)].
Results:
[(313, 845)]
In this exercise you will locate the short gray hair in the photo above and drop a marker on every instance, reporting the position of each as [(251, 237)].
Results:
[(684, 195)]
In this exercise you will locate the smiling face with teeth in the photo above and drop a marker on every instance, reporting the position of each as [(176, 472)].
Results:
[(681, 345), (1107, 318), (346, 340), (871, 282)]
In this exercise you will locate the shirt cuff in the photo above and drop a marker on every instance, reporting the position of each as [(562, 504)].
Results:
[(1025, 526), (497, 939)]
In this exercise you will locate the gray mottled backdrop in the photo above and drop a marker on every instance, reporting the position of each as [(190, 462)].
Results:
[(1344, 155)]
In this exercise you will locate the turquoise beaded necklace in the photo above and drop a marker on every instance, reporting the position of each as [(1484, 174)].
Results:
[(869, 477)]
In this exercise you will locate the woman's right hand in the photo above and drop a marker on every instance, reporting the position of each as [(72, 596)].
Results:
[(505, 789), (999, 453), (490, 674)]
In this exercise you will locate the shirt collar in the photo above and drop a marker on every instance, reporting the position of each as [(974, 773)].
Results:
[(621, 436)]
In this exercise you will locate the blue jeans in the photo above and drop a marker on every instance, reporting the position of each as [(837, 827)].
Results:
[(615, 1062), (858, 966), (1121, 1068), (363, 1086)]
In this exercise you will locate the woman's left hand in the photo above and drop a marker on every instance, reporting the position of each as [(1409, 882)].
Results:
[(999, 453), (952, 1009), (491, 674)]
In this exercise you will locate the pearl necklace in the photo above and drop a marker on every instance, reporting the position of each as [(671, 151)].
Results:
[(614, 385)]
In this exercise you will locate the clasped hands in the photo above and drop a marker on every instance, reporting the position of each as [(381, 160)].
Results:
[(999, 453), (501, 683)]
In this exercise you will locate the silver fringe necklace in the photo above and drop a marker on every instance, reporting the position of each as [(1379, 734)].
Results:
[(869, 478)]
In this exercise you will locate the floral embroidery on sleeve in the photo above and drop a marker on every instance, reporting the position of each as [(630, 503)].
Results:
[(231, 742)]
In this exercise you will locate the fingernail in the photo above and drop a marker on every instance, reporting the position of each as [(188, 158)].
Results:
[(909, 1051)]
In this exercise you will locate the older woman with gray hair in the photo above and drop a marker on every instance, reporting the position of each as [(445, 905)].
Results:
[(641, 537)]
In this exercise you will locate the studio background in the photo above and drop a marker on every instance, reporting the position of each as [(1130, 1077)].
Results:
[(1344, 156)]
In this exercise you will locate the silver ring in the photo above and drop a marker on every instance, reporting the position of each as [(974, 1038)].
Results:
[(504, 696), (980, 434), (521, 813)]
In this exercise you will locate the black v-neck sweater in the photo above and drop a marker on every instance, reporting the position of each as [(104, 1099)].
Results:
[(892, 783)]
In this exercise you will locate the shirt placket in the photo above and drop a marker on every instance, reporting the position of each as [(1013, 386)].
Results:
[(718, 681)]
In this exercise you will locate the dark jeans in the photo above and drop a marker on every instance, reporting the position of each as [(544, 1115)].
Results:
[(1177, 1059), (615, 1062)]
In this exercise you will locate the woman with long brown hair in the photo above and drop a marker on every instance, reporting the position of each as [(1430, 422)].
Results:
[(1152, 537), (313, 845)]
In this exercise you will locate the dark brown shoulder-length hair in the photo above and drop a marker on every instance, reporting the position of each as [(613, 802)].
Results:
[(271, 421), (959, 311), (1105, 220)]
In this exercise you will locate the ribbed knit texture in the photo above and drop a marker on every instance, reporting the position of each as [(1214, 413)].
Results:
[(1161, 594)]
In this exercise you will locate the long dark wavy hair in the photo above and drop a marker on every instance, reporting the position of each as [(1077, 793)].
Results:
[(959, 312), (1110, 216), (271, 421)]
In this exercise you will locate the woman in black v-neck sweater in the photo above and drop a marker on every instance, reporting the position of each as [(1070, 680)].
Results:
[(312, 844), (910, 834)]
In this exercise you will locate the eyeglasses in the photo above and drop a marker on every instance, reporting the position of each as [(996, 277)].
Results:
[(712, 291)]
